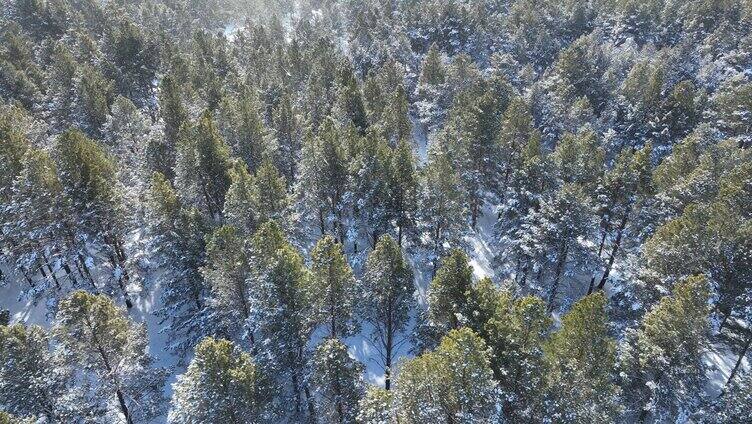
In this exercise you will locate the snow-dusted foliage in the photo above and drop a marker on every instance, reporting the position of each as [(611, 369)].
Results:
[(364, 211)]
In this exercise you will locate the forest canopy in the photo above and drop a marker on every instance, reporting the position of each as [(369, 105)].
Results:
[(405, 211)]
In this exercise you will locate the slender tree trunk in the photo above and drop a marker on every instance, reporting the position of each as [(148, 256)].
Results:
[(614, 250), (87, 273), (120, 278), (739, 360), (388, 356), (27, 277), (559, 268), (474, 216), (309, 402), (52, 272), (118, 392)]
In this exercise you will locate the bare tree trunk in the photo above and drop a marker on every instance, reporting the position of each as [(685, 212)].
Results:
[(614, 250), (738, 362), (559, 268), (388, 355)]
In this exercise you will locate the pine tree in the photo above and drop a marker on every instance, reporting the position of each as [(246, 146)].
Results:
[(98, 338), (470, 139), (174, 115), (396, 125), (516, 332), (370, 177), (226, 272), (324, 179), (12, 149), (441, 208), (516, 131), (376, 407), (203, 165), (243, 128), (580, 160), (333, 288), (127, 134), (222, 384), (241, 208), (94, 95), (432, 69), (734, 405), (282, 312), (38, 233), (177, 243), (61, 82), (450, 291), (135, 59), (272, 192), (33, 381), (579, 360), (454, 383), (670, 342), (626, 187), (6, 418), (387, 299), (337, 382), (91, 191), (555, 229), (288, 134), (402, 202), (349, 105)]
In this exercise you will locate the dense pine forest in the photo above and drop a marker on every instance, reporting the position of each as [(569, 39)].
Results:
[(375, 211)]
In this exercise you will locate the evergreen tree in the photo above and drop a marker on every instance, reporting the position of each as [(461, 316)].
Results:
[(12, 149), (164, 152), (243, 128), (222, 384), (226, 272), (555, 230), (87, 175), (454, 383), (288, 134), (387, 299), (33, 381), (203, 165), (349, 103), (127, 134), (94, 95), (337, 382), (324, 179), (241, 208), (38, 234), (333, 288), (733, 406), (516, 332), (450, 291), (516, 131), (668, 350), (135, 59), (375, 407), (370, 177), (441, 207), (579, 363), (402, 203), (431, 92), (98, 339), (626, 188), (271, 187), (282, 311), (177, 242), (580, 160)]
